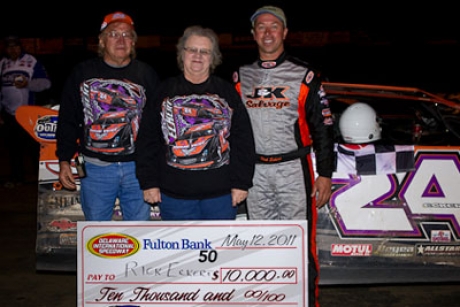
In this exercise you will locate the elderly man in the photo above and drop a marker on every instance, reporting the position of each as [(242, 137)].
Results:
[(99, 115)]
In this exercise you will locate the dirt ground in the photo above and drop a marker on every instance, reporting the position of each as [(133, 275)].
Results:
[(23, 286)]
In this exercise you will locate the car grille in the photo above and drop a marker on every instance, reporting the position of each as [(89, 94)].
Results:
[(188, 161)]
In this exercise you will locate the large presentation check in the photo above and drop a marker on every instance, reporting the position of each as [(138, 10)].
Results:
[(212, 263)]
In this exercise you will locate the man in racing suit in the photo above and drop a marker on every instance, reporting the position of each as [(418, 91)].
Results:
[(289, 114), (22, 75)]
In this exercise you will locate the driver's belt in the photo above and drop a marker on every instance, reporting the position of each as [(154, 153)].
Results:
[(267, 159)]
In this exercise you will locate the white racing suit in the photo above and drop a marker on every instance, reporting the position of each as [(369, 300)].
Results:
[(290, 117)]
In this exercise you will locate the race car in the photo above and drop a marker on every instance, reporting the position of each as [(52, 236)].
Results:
[(393, 216), (407, 115)]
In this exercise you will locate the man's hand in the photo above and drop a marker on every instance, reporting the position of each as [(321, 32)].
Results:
[(152, 196), (322, 190), (65, 176), (238, 196)]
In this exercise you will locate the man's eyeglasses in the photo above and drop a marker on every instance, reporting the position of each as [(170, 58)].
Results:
[(193, 50), (117, 35)]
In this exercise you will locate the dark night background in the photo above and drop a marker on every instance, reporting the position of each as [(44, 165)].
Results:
[(416, 46), (153, 17)]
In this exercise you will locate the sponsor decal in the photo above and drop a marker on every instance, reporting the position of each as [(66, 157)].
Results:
[(45, 127), (61, 201), (113, 245), (268, 104), (268, 97), (68, 239), (395, 251), (235, 76), (63, 224), (269, 93), (309, 77), (268, 64), (351, 250), (438, 250), (440, 236), (328, 121)]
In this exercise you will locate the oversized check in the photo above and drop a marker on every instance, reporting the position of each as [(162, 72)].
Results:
[(212, 263)]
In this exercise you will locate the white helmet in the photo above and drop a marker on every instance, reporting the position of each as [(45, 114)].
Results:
[(358, 124)]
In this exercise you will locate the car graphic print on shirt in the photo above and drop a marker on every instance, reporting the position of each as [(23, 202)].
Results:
[(112, 110), (196, 129), (114, 132)]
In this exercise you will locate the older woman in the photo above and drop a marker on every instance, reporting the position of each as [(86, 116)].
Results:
[(195, 147)]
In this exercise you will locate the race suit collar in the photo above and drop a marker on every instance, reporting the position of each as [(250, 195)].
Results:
[(272, 64)]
